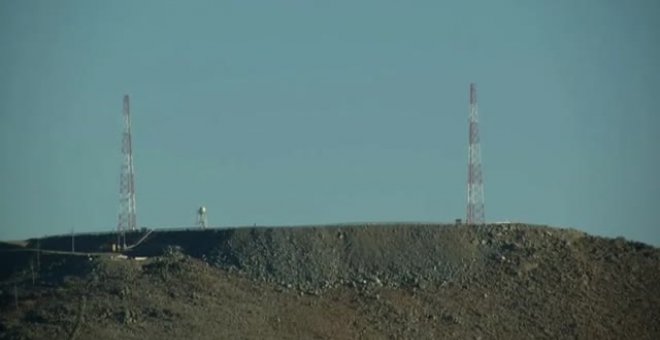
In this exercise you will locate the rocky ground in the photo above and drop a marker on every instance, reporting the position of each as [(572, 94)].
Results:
[(373, 281)]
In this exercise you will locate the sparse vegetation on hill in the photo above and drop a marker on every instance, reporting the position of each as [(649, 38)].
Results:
[(394, 281)]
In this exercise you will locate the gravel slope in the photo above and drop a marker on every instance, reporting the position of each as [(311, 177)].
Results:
[(372, 281)]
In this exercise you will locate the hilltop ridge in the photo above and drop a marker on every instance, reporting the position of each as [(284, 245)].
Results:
[(373, 281)]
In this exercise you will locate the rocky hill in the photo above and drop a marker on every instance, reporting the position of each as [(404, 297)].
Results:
[(507, 281)]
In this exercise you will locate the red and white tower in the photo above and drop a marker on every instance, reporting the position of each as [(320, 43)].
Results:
[(475, 182), (127, 220)]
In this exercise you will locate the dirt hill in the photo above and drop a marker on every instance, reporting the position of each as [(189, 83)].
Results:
[(372, 281)]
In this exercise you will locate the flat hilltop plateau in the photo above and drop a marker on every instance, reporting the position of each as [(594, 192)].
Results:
[(373, 281)]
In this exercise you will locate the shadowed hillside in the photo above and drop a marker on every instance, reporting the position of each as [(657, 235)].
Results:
[(371, 281)]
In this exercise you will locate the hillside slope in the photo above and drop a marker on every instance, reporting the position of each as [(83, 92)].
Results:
[(375, 281)]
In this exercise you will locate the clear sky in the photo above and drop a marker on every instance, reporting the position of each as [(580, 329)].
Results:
[(296, 112)]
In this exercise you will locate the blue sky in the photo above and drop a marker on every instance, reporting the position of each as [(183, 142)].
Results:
[(295, 112)]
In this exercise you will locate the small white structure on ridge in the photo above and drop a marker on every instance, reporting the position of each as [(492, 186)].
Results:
[(202, 218)]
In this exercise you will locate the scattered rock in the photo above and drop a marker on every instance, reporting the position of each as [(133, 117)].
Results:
[(376, 282)]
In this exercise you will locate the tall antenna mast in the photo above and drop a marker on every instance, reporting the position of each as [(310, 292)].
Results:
[(475, 182), (127, 220)]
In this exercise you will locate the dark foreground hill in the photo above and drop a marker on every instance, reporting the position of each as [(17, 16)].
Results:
[(376, 281)]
